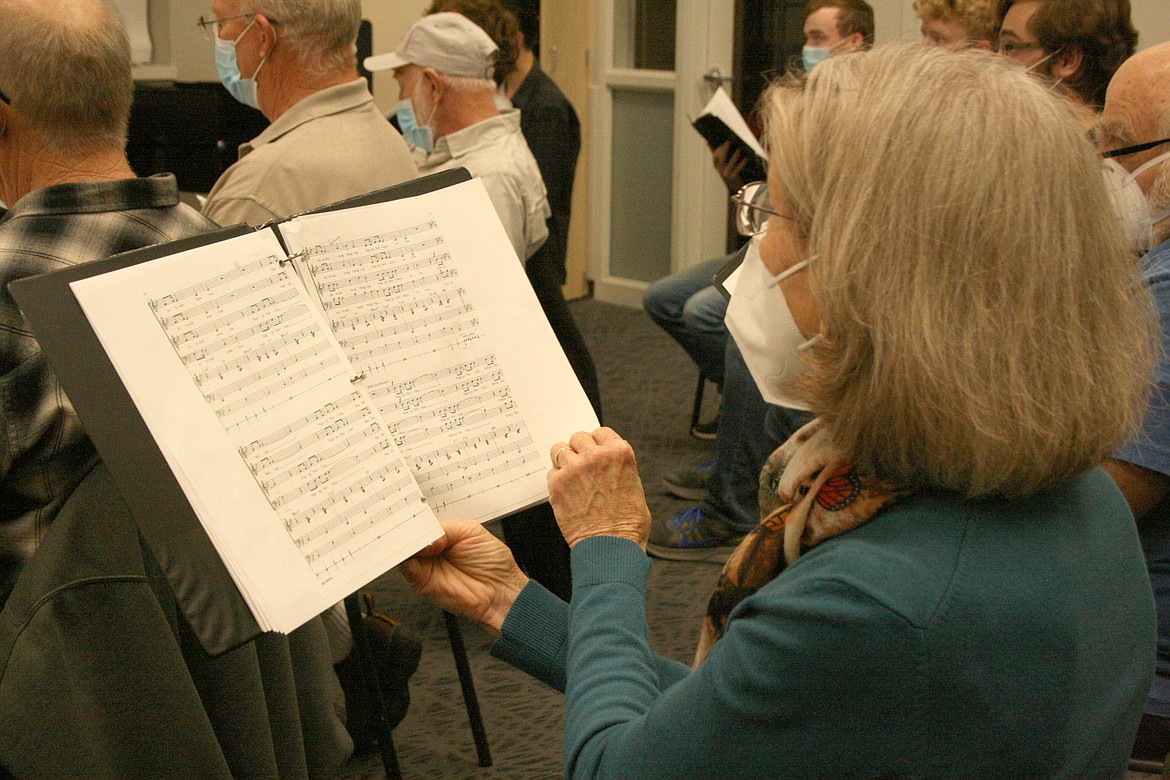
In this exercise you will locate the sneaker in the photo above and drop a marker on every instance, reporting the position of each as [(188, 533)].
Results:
[(689, 537), (689, 482), (706, 431)]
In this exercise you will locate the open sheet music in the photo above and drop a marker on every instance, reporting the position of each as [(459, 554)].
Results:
[(321, 411)]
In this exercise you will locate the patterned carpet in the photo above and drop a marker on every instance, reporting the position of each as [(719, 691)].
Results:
[(647, 386)]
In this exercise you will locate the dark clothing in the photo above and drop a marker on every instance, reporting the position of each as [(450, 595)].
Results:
[(553, 133), (43, 450), (100, 676)]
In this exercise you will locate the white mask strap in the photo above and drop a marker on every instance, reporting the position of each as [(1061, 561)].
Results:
[(1147, 165)]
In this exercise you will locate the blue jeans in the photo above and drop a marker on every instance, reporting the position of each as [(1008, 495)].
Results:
[(750, 429), (691, 310)]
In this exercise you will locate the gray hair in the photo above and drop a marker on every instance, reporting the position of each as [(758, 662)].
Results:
[(321, 33), (66, 68), (462, 85), (986, 328)]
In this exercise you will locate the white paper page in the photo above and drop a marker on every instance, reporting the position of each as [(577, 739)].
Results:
[(286, 461), (720, 105), (426, 297)]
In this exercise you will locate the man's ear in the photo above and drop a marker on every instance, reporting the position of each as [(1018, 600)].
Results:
[(1067, 62), (853, 42), (435, 82), (981, 43), (268, 31)]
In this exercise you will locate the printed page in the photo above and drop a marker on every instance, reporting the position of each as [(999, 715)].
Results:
[(720, 106), (284, 457), (428, 299)]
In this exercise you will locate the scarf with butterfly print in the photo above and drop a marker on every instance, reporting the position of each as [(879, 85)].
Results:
[(808, 493)]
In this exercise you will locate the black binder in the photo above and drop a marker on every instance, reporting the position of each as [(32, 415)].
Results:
[(716, 132), (204, 589)]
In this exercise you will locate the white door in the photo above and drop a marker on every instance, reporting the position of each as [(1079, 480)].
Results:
[(657, 204)]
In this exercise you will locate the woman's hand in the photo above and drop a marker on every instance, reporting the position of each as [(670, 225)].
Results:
[(468, 572), (595, 490)]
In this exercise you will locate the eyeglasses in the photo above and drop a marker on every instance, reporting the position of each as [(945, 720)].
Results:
[(1134, 149), (1012, 48), (752, 209), (210, 26)]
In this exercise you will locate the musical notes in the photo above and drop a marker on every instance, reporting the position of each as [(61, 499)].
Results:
[(291, 467), (402, 311)]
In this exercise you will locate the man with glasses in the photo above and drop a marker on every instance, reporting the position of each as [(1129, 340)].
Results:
[(295, 62), (691, 310), (1075, 45), (1134, 130)]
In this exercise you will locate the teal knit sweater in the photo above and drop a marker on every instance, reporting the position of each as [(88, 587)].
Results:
[(943, 638)]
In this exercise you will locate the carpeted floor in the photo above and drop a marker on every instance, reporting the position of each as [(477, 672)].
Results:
[(647, 386)]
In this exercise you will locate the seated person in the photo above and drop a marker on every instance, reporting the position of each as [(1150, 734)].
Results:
[(1133, 127), (444, 68), (553, 135), (1073, 46), (327, 141), (72, 198), (959, 24), (944, 582), (688, 308)]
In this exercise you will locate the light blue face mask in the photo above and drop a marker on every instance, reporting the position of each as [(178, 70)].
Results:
[(812, 56), (242, 89), (420, 137)]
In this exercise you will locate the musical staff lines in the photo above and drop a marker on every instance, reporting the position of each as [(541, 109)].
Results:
[(247, 339), (405, 309), (334, 479), (393, 296)]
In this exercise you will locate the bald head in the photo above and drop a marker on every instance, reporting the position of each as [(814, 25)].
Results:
[(1137, 111), (66, 70)]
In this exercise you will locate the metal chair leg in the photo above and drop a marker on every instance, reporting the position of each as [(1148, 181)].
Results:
[(698, 405), (459, 650), (361, 646)]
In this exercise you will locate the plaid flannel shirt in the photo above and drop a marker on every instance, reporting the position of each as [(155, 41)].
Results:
[(44, 452)]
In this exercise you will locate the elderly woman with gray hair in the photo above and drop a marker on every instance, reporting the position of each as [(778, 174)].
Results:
[(944, 582)]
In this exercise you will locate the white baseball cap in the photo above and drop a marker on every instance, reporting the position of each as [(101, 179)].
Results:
[(448, 42)]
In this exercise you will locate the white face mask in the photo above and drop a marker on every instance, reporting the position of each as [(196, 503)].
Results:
[(1147, 218), (760, 321), (1131, 206)]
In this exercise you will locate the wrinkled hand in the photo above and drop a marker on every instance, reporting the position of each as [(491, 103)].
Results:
[(729, 164), (468, 572), (595, 489)]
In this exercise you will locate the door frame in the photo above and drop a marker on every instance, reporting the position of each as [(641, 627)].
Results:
[(703, 40)]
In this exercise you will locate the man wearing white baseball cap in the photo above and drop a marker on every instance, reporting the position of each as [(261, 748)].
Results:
[(446, 110)]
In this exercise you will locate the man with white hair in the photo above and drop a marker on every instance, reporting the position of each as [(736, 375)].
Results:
[(1134, 129), (65, 94), (294, 60), (444, 67), (447, 110)]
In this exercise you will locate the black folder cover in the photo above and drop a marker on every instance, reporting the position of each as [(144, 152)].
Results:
[(716, 132), (204, 589)]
